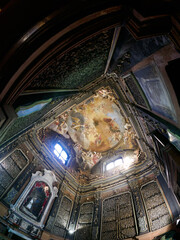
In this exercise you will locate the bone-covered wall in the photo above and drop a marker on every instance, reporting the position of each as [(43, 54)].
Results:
[(118, 217), (10, 168), (126, 214), (84, 224), (156, 207), (105, 214), (62, 217), (16, 168)]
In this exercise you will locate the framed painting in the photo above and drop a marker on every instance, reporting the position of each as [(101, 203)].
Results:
[(36, 200)]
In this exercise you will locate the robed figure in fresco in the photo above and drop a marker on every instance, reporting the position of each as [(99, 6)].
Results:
[(36, 200)]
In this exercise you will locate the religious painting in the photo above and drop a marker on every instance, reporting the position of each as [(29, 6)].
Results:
[(158, 97), (89, 124), (30, 210), (36, 200), (96, 126)]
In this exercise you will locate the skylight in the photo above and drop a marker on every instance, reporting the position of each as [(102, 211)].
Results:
[(60, 153)]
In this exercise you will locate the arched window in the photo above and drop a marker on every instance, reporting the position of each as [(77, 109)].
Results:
[(113, 164), (60, 153), (120, 162)]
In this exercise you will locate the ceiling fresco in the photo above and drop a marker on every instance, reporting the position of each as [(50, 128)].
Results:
[(96, 126)]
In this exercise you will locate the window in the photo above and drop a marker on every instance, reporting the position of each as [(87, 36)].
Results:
[(116, 163), (23, 111), (60, 153), (109, 166)]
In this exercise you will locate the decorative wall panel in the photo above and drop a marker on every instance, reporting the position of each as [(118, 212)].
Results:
[(5, 179), (10, 168), (96, 218), (19, 159), (62, 217), (53, 213), (142, 224), (118, 218), (156, 208), (9, 197), (84, 225), (49, 223), (135, 90)]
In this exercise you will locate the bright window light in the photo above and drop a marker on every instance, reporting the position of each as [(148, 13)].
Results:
[(60, 153), (118, 162), (71, 231), (56, 153), (58, 147), (109, 166), (62, 159), (64, 155), (127, 162)]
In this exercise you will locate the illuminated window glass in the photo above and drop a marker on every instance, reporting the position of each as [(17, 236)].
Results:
[(60, 153), (118, 162), (109, 166)]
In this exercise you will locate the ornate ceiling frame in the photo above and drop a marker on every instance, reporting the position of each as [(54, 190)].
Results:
[(111, 81)]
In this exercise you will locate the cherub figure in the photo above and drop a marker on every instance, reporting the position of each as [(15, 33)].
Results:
[(106, 94)]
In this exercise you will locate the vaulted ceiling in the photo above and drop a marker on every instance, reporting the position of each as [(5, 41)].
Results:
[(53, 51), (88, 90)]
